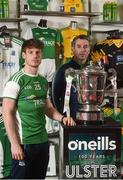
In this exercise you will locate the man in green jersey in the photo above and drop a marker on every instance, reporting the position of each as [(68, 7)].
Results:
[(25, 103)]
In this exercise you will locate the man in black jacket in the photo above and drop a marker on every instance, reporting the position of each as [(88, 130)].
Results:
[(81, 50)]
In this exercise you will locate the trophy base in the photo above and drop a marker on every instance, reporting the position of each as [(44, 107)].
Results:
[(86, 123), (89, 117)]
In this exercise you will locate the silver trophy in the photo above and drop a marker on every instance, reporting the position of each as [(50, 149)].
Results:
[(90, 87)]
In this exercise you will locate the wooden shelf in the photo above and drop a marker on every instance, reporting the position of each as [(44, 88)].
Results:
[(105, 32), (13, 19), (14, 29), (109, 23), (57, 13)]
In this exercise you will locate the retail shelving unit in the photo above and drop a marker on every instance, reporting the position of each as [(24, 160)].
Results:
[(63, 14), (16, 21), (109, 23), (13, 20), (88, 14), (57, 13)]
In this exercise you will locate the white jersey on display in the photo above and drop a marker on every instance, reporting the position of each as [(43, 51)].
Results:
[(9, 60)]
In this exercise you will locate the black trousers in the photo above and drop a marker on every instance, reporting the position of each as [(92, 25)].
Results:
[(35, 163)]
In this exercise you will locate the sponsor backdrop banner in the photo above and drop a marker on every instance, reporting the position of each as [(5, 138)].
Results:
[(90, 152)]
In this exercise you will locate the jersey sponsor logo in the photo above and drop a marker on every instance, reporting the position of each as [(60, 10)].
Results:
[(39, 103), (30, 97), (28, 87), (8, 64), (42, 38), (53, 34), (47, 43), (37, 34), (44, 32)]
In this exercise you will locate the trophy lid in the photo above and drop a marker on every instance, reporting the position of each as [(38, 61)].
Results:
[(94, 69)]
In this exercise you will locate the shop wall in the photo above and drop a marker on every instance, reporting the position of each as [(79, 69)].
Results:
[(61, 22)]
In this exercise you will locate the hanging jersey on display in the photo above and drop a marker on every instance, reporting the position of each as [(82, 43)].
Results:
[(38, 4), (9, 60), (48, 36), (110, 53), (73, 6), (5, 154), (65, 37)]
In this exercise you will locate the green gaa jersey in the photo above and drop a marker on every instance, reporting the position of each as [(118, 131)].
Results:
[(30, 92), (5, 154), (48, 36), (38, 4)]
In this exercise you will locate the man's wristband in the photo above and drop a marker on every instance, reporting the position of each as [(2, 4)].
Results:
[(62, 118)]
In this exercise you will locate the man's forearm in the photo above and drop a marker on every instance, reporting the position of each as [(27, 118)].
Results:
[(54, 114), (11, 125), (11, 128), (10, 121)]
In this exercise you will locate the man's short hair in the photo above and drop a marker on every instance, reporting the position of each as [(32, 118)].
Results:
[(79, 37), (32, 43)]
